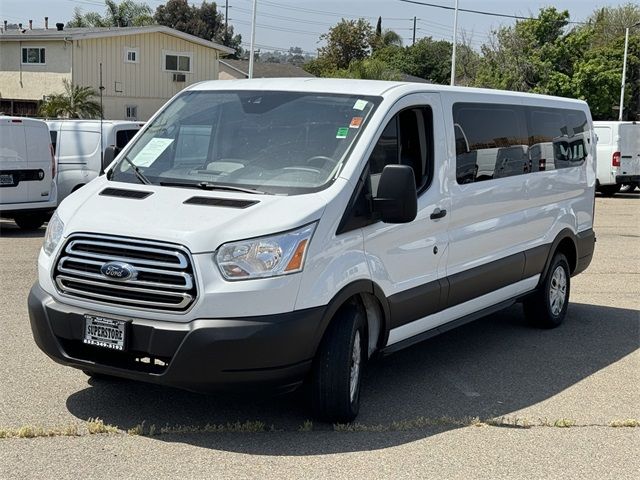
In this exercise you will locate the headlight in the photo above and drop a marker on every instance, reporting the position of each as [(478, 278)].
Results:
[(53, 234), (266, 256)]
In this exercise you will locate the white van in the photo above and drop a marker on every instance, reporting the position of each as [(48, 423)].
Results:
[(259, 233), (78, 148), (618, 156), (27, 172)]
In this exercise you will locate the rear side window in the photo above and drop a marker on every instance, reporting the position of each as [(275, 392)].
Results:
[(495, 144), (497, 141)]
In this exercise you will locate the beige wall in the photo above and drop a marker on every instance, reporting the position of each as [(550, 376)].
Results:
[(145, 83), (31, 82)]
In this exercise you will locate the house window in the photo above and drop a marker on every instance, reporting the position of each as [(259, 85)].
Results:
[(131, 112), (33, 56), (131, 55), (177, 62)]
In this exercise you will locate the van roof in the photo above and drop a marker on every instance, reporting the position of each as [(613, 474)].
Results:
[(81, 121), (4, 119), (356, 87)]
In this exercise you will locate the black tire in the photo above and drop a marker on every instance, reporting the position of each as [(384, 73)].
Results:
[(547, 307), (332, 397), (30, 221), (609, 190)]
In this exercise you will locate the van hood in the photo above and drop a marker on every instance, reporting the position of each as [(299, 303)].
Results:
[(164, 216)]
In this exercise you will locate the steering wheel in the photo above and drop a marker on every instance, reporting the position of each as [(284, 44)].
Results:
[(319, 161)]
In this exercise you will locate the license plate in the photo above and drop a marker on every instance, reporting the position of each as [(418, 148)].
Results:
[(6, 179), (105, 332)]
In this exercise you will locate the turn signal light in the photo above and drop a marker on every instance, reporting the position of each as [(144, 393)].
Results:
[(298, 256)]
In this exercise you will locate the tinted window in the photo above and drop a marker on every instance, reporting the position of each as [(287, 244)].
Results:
[(123, 137), (496, 141), (54, 140), (557, 138)]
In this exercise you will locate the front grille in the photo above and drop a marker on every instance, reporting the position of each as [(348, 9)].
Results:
[(162, 274)]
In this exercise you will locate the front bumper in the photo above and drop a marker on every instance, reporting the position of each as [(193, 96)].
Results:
[(266, 352)]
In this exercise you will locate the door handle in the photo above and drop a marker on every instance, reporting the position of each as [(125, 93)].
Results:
[(437, 213)]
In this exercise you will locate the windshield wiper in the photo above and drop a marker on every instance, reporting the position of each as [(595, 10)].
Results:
[(213, 186), (139, 175)]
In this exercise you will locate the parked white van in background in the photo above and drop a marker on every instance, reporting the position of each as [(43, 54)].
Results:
[(260, 233), (618, 156), (27, 172), (78, 147)]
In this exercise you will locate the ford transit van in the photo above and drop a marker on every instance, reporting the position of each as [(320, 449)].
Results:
[(618, 156), (27, 172), (258, 234), (78, 147)]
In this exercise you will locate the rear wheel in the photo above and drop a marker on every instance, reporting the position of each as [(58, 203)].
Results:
[(548, 306), (337, 370), (609, 190), (30, 221)]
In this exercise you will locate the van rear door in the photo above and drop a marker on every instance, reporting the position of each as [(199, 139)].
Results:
[(13, 162), (629, 149), (39, 161)]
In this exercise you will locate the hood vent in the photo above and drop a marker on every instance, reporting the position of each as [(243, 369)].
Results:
[(220, 202), (121, 192)]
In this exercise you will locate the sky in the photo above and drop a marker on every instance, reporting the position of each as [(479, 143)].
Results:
[(285, 23)]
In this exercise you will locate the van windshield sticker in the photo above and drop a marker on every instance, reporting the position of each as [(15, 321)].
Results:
[(355, 122), (152, 151), (360, 105), (342, 132)]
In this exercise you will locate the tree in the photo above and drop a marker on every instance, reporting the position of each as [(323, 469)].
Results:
[(381, 39), (205, 21), (346, 41), (369, 69), (124, 14), (74, 102)]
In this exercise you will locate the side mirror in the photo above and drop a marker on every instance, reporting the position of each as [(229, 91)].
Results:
[(107, 157), (396, 200)]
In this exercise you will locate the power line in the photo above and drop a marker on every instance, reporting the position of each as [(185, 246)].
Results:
[(479, 12)]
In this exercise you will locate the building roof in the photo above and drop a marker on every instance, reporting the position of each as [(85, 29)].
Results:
[(39, 34), (266, 69)]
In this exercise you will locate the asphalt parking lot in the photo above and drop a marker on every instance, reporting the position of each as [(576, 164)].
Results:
[(493, 399)]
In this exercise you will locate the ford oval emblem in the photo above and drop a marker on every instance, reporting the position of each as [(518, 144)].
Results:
[(118, 271)]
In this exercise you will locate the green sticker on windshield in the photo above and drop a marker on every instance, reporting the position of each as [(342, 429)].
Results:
[(342, 132)]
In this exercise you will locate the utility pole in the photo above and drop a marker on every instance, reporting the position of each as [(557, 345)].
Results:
[(226, 18), (624, 69), (455, 41), (253, 39), (414, 31)]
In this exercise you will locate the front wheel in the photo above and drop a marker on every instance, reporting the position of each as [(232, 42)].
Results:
[(547, 307), (30, 221), (337, 370)]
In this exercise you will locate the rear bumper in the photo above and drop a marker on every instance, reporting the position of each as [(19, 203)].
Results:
[(268, 352), (624, 179), (586, 243)]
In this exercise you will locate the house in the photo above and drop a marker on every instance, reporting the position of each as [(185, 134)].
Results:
[(232, 69), (142, 67)]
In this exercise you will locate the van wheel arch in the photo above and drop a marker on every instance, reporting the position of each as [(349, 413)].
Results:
[(564, 243), (368, 297)]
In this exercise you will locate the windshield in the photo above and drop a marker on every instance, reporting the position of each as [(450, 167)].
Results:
[(270, 141)]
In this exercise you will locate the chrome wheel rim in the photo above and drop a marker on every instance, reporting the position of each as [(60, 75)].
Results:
[(558, 290), (356, 357)]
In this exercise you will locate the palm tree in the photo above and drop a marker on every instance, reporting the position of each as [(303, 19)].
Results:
[(386, 38), (75, 102)]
